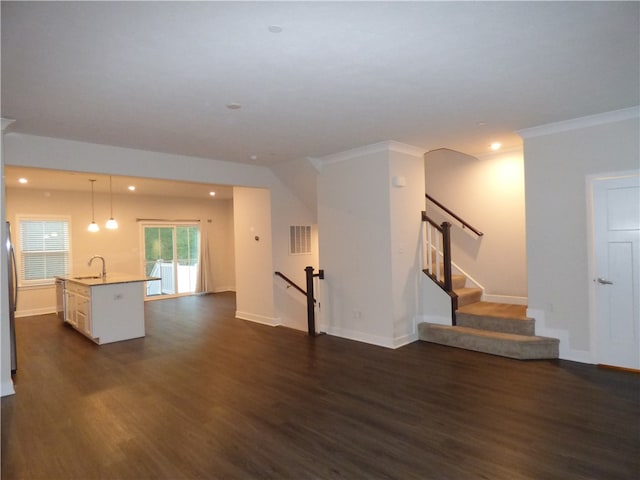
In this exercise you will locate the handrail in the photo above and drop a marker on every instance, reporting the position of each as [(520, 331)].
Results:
[(311, 315), (291, 282), (444, 230), (464, 223)]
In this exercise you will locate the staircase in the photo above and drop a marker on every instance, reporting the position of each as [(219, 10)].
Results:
[(495, 328)]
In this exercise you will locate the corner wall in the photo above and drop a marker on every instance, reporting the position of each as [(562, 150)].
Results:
[(558, 159), (369, 239)]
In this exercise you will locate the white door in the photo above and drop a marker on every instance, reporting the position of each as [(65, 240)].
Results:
[(616, 210)]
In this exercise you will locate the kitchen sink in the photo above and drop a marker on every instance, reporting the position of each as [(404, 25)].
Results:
[(88, 277)]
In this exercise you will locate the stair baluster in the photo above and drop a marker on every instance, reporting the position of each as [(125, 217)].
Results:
[(435, 251)]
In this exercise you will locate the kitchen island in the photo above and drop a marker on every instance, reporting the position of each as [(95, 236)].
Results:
[(105, 309)]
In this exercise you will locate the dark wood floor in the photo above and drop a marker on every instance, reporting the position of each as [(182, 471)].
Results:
[(208, 396)]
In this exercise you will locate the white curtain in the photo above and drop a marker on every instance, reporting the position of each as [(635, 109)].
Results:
[(204, 282)]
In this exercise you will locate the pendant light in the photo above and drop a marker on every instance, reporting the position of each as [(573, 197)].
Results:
[(93, 226), (111, 223)]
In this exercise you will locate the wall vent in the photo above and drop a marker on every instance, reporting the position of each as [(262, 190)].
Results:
[(299, 239)]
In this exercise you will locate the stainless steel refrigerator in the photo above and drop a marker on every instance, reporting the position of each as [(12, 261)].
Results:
[(13, 298)]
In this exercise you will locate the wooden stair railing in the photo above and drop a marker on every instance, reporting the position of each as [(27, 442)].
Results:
[(311, 301), (449, 212), (438, 258)]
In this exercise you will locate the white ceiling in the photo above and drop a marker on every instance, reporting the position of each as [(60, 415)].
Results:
[(158, 75)]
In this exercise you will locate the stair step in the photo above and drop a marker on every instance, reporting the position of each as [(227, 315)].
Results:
[(496, 317), (468, 295), (521, 347), (458, 281), (494, 309)]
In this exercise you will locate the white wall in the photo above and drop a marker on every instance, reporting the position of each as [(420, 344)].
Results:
[(557, 160), (122, 247), (488, 192), (6, 384), (406, 195), (287, 210), (359, 242), (254, 263)]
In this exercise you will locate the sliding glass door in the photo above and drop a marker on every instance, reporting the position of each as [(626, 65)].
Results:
[(171, 253)]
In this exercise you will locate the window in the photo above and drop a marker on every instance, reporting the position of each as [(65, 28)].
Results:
[(44, 249), (299, 239), (171, 252)]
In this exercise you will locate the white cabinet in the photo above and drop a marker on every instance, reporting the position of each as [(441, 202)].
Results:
[(106, 312), (78, 307)]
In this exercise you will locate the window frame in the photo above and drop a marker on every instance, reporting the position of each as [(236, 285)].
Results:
[(17, 245)]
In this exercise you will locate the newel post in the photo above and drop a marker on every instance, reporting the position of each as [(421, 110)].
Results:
[(446, 253), (311, 311)]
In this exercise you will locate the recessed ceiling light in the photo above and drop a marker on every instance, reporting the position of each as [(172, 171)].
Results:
[(495, 146), (22, 180), (274, 28), (213, 194), (234, 106), (131, 187), (253, 157)]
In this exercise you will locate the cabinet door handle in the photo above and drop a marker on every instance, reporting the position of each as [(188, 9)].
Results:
[(604, 281)]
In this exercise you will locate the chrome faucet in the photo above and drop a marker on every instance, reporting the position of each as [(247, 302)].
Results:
[(104, 268)]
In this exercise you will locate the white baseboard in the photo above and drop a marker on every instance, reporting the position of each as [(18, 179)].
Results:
[(254, 317), (360, 336), (7, 388), (405, 340), (386, 342), (438, 320), (505, 299), (35, 311), (224, 289), (566, 352)]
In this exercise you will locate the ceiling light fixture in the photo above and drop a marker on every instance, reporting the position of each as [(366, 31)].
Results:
[(495, 146), (93, 226), (213, 194), (22, 180), (111, 223), (131, 188)]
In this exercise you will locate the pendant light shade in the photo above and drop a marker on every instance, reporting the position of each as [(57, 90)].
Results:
[(93, 226), (111, 223)]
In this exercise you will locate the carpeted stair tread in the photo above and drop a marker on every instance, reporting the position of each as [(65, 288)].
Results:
[(523, 347), (493, 309), (496, 317), (468, 295)]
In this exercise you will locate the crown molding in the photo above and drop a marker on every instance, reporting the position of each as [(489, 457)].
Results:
[(386, 146), (582, 122)]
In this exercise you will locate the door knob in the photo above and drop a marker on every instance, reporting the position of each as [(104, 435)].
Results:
[(604, 281)]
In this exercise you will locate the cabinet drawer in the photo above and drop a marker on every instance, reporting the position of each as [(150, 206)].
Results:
[(78, 289)]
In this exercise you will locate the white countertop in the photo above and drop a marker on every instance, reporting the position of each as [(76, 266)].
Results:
[(111, 278)]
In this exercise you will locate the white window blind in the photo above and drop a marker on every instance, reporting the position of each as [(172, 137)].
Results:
[(299, 239), (44, 249)]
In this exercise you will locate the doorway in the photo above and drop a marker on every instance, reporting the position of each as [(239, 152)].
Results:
[(171, 253), (615, 269)]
